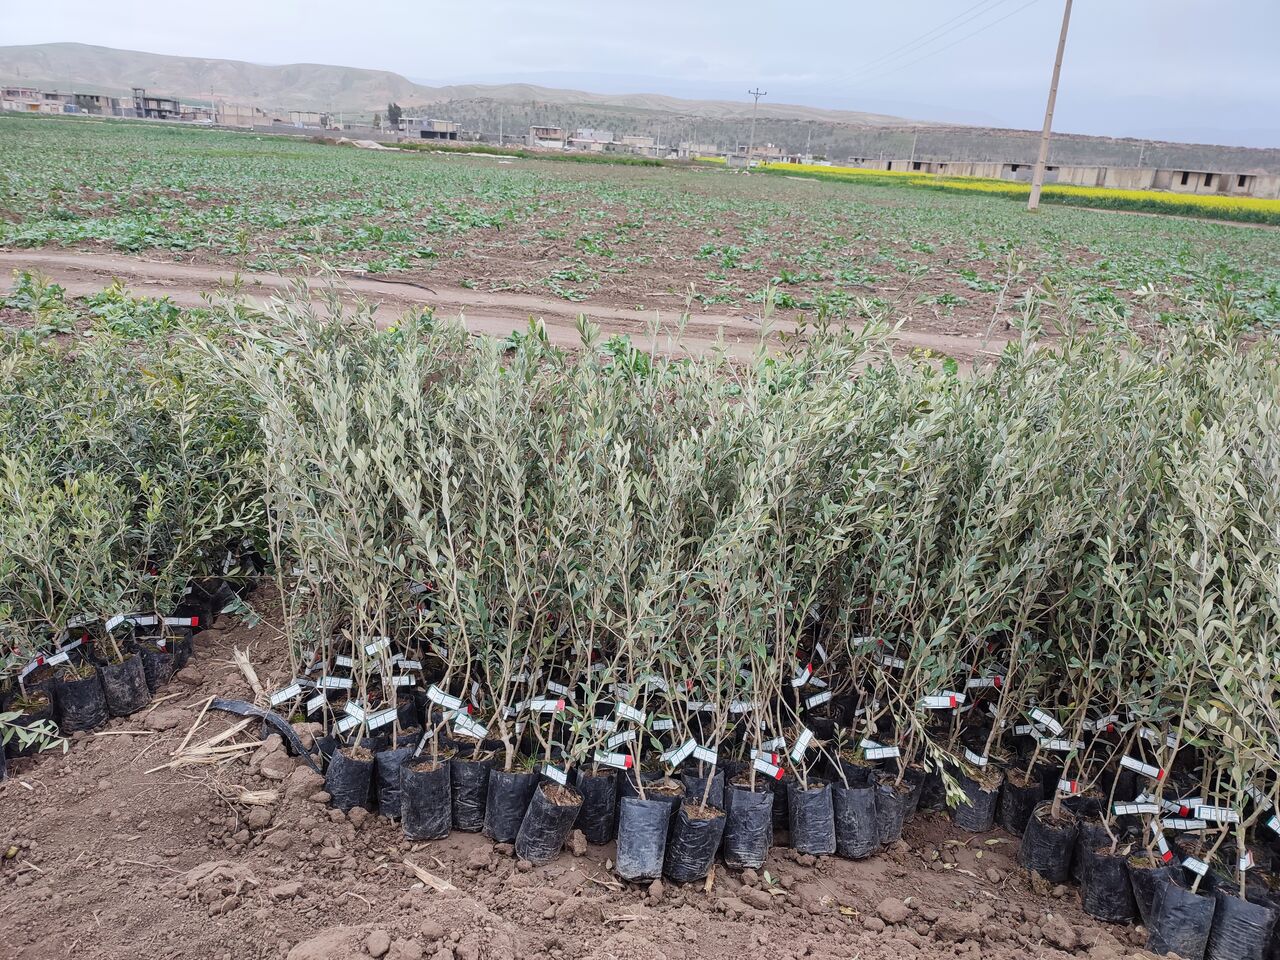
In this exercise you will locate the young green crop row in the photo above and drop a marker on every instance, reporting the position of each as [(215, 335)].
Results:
[(633, 236)]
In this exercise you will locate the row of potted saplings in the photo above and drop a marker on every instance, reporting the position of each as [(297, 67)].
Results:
[(1148, 842), (103, 668), (833, 796), (686, 806)]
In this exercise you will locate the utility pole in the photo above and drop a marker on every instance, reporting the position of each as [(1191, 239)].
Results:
[(751, 147), (1037, 179)]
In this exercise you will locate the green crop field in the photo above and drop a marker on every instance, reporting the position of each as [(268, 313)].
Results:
[(611, 234)]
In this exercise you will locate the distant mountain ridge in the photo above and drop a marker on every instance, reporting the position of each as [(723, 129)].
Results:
[(513, 107), (312, 86)]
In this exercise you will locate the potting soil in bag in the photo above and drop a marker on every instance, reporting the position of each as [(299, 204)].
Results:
[(469, 782), (812, 819), (1241, 930), (81, 703), (505, 806), (979, 814), (693, 842), (1017, 802), (642, 837), (386, 774), (547, 823), (599, 805), (1047, 847), (748, 826), (1106, 893), (1180, 922), (349, 778), (426, 805), (125, 684), (854, 808)]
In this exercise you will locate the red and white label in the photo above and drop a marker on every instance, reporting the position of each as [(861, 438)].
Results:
[(1069, 787), (619, 761), (1146, 769), (768, 769), (801, 678)]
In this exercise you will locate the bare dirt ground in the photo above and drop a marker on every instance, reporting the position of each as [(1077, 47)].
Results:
[(102, 858), (186, 284)]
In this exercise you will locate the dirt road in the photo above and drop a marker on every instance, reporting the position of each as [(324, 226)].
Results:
[(86, 272)]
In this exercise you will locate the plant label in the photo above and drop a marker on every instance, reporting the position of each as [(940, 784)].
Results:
[(410, 664), (678, 755), (1069, 787), (1182, 823), (1245, 862), (817, 700), (705, 755), (604, 724), (1146, 769), (897, 663), (802, 744), (942, 701), (353, 709), (1273, 823), (180, 621), (1196, 866), (767, 768), (821, 651), (343, 661), (801, 678), (381, 718), (1133, 809), (401, 681), (315, 703), (376, 646), (1163, 846), (881, 753), (546, 706), (664, 723), (436, 695), (765, 755), (346, 723), (1050, 724), (618, 739), (655, 681), (624, 712), (559, 689), (984, 683), (741, 706), (1059, 745), (1217, 814), (777, 743), (335, 683), (556, 774), (619, 761), (976, 759), (467, 727), (288, 693)]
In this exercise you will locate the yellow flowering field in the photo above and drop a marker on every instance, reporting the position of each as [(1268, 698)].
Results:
[(1214, 206)]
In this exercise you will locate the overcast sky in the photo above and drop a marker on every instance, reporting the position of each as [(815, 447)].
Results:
[(1176, 69)]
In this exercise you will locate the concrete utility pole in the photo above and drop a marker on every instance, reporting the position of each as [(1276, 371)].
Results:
[(1037, 179), (751, 147)]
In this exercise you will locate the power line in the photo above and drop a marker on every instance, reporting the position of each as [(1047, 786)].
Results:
[(967, 36), (941, 30)]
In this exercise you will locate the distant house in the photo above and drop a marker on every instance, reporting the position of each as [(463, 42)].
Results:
[(426, 129), (308, 118), (155, 108), (546, 138)]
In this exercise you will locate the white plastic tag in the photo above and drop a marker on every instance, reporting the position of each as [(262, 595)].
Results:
[(801, 745), (1069, 787), (896, 663), (1273, 823), (942, 701), (410, 664), (821, 651), (114, 622), (381, 718), (817, 700), (741, 706), (335, 683), (705, 755), (353, 709), (546, 706), (180, 621), (1059, 745), (346, 723), (556, 774), (1134, 809), (1146, 769), (625, 712), (618, 739), (436, 695), (665, 723), (1217, 814), (984, 683), (881, 753), (655, 681), (1245, 862), (376, 646), (1196, 866), (976, 759), (288, 693), (1039, 716), (343, 661), (777, 743), (1182, 823), (801, 678), (467, 727), (677, 755), (559, 689), (315, 703)]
